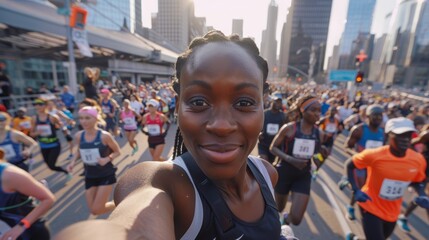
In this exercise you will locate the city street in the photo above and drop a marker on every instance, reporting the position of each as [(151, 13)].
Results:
[(324, 218)]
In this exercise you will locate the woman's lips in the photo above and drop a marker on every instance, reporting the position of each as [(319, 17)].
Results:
[(221, 153)]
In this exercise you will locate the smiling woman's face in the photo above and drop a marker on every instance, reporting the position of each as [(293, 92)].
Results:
[(220, 108)]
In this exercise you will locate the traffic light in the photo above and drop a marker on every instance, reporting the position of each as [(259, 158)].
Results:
[(359, 77)]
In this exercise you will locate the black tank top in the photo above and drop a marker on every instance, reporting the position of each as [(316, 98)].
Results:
[(267, 227), (272, 124), (301, 146), (90, 151)]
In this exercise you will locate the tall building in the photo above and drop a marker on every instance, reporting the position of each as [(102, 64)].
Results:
[(307, 39), (285, 44), (406, 50), (175, 22), (237, 27), (109, 14), (356, 32), (269, 42)]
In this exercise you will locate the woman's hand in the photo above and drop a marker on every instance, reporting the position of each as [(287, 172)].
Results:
[(296, 162), (103, 161)]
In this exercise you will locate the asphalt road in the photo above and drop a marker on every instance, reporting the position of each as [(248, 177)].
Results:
[(324, 218)]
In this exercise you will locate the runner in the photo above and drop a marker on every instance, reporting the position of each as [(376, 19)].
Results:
[(128, 117), (363, 136), (356, 118), (22, 122), (391, 169), (16, 207), (66, 121), (12, 140), (109, 106), (97, 149), (331, 126), (301, 141), (44, 126), (274, 118), (155, 121), (422, 139)]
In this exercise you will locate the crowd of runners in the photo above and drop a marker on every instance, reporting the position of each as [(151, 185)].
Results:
[(387, 140)]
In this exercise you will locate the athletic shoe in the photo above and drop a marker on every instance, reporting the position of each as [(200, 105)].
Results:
[(344, 182), (134, 151), (69, 157), (403, 224), (351, 236), (287, 232), (351, 213)]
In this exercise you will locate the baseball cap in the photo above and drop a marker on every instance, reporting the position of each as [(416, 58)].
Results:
[(153, 102), (22, 109), (399, 125)]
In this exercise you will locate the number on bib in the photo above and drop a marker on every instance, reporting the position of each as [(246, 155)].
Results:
[(370, 144), (90, 156), (129, 122), (25, 124), (44, 129), (153, 129), (272, 128), (331, 128), (393, 189), (303, 148), (9, 151)]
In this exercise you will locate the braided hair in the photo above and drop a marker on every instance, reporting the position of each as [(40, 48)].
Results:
[(213, 36)]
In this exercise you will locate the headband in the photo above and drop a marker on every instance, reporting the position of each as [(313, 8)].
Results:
[(308, 103), (90, 111)]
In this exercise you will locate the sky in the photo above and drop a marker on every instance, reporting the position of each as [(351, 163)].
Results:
[(219, 14)]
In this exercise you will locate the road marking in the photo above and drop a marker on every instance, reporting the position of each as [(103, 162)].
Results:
[(341, 219)]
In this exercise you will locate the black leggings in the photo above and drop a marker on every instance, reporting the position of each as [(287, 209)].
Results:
[(374, 227), (50, 156)]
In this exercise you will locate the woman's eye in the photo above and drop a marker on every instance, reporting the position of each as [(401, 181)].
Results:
[(199, 103), (245, 103)]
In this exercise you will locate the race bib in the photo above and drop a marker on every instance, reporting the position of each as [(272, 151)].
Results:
[(44, 129), (9, 151), (303, 148), (25, 125), (370, 144), (331, 128), (153, 129), (129, 122), (393, 189), (90, 156), (105, 109), (272, 128)]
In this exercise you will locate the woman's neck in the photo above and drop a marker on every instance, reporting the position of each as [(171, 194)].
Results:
[(91, 130)]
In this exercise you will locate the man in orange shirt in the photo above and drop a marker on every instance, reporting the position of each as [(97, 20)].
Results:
[(22, 122), (391, 169)]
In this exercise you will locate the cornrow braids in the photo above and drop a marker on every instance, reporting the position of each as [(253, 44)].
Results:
[(214, 36)]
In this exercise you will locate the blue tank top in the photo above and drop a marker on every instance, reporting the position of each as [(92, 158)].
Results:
[(107, 107), (90, 151), (12, 149), (302, 146), (370, 139), (49, 138)]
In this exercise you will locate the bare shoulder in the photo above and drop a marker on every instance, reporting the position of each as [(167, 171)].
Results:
[(271, 171), (147, 175)]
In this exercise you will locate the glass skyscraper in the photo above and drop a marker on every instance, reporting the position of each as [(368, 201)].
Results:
[(110, 14), (356, 32), (309, 32), (406, 54)]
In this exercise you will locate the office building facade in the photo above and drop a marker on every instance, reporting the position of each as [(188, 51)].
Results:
[(308, 21)]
